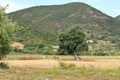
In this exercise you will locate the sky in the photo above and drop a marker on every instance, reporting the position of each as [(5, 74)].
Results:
[(109, 7)]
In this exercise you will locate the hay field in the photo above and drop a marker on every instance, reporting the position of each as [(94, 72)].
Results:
[(100, 63), (39, 67)]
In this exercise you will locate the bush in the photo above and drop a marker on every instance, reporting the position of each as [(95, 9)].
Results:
[(4, 65), (17, 50), (28, 51), (101, 53), (41, 49), (67, 66), (62, 52)]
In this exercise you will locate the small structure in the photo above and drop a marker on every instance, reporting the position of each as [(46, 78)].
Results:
[(89, 41), (55, 48)]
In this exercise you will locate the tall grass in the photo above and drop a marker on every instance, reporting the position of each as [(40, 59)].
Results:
[(80, 73)]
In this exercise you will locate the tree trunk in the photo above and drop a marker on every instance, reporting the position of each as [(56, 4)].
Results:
[(76, 56)]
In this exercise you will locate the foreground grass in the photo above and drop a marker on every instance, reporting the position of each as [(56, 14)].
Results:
[(82, 73)]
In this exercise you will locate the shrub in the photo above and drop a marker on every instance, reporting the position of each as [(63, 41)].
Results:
[(28, 51), (17, 50), (72, 66), (4, 65), (100, 53), (67, 66)]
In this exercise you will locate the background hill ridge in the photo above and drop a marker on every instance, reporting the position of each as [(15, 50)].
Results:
[(46, 22)]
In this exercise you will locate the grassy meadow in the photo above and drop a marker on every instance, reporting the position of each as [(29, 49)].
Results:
[(39, 67), (82, 73)]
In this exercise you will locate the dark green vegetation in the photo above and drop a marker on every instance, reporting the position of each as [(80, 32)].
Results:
[(4, 65), (42, 24), (6, 36), (59, 74), (6, 30), (70, 41)]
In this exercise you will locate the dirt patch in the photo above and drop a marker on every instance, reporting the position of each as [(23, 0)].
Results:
[(88, 60), (29, 58), (17, 45)]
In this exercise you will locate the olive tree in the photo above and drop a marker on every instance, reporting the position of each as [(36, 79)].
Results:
[(6, 30), (70, 40)]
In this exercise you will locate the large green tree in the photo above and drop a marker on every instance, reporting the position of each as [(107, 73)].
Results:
[(70, 40), (6, 33)]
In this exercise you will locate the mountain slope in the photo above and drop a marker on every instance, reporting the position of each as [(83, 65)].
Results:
[(118, 17), (46, 22)]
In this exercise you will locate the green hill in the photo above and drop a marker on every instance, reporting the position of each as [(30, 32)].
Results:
[(46, 22)]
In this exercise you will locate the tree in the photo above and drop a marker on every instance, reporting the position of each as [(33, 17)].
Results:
[(70, 40), (6, 30), (82, 47)]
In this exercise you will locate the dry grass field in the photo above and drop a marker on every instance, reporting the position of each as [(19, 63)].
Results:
[(38, 67), (52, 63), (48, 61)]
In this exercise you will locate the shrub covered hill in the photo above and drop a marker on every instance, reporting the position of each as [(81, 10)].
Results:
[(44, 23), (118, 17)]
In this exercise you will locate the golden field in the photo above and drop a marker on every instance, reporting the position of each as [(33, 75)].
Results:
[(39, 67)]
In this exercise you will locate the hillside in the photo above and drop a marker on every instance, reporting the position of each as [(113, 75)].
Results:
[(46, 22), (118, 17)]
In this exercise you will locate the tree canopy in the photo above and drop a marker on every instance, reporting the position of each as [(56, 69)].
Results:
[(6, 33), (71, 40)]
